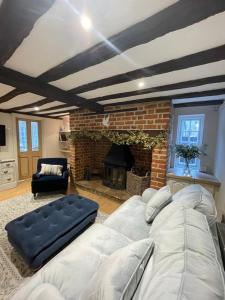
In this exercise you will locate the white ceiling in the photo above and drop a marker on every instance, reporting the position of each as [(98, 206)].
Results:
[(58, 36)]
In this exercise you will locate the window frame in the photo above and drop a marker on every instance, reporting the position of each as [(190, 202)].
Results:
[(182, 117)]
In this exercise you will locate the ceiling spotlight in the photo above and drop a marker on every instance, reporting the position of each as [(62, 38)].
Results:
[(36, 108), (141, 84), (86, 22)]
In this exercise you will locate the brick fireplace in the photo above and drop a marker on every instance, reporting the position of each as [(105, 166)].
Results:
[(150, 117)]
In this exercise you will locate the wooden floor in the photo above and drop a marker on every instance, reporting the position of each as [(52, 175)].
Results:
[(106, 205)]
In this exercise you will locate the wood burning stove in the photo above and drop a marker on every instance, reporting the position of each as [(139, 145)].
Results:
[(116, 164)]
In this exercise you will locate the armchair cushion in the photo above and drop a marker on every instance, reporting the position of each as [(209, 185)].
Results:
[(51, 178), (48, 169)]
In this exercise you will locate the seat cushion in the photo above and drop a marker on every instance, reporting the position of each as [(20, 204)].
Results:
[(50, 178), (129, 219), (45, 291), (38, 230), (72, 269), (185, 264)]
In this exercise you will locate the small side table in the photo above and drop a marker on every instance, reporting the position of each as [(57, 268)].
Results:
[(221, 236)]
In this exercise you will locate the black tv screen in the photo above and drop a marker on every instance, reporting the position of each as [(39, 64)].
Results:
[(2, 135)]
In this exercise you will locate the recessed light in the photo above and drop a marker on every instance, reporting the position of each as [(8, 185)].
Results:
[(141, 84), (86, 22), (36, 108)]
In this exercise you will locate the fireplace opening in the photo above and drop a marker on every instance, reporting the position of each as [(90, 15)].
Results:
[(117, 162)]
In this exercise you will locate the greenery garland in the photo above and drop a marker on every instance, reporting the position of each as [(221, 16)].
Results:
[(122, 137)]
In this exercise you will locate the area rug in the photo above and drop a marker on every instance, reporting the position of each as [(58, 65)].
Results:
[(13, 269)]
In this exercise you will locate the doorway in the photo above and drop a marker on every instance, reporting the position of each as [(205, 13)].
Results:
[(29, 146)]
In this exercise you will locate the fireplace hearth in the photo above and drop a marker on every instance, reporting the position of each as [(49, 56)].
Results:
[(117, 162)]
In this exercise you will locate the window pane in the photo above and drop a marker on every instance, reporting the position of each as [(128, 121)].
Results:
[(34, 136), (23, 136), (195, 125)]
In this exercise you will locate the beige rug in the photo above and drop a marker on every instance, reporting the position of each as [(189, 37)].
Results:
[(13, 268)]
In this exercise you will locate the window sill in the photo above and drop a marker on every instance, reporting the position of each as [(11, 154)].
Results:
[(197, 177)]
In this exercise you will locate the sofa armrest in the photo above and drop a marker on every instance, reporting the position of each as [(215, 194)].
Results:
[(36, 176), (65, 174), (147, 194)]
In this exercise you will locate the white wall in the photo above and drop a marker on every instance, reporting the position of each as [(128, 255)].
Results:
[(209, 135), (8, 151), (220, 161), (50, 136)]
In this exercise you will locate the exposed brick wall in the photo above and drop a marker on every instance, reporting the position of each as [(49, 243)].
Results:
[(143, 158), (155, 115), (152, 116)]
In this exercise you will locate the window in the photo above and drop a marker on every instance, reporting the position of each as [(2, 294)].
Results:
[(34, 136), (190, 132), (23, 136)]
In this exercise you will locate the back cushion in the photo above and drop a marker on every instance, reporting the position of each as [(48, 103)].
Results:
[(201, 200), (185, 264), (193, 196), (157, 202)]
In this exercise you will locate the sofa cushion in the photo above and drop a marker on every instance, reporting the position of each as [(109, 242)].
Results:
[(193, 196), (129, 219), (185, 264), (118, 277), (197, 197), (147, 194), (45, 291), (159, 200), (73, 267)]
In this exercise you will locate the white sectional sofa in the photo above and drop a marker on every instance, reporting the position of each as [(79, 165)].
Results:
[(177, 256)]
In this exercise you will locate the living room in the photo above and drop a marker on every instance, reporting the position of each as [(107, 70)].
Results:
[(112, 142)]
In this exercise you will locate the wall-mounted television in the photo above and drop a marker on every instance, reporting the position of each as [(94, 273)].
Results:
[(2, 135)]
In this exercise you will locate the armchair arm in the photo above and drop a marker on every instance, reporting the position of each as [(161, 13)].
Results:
[(36, 176), (147, 194), (65, 174)]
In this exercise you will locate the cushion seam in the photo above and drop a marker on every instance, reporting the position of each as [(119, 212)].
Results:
[(185, 258)]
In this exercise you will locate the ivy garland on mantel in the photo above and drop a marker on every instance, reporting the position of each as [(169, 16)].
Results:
[(122, 137)]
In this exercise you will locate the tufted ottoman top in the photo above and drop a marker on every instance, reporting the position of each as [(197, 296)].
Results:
[(37, 230)]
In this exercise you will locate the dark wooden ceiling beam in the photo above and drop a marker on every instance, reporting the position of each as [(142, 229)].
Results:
[(9, 111), (162, 88), (32, 85), (192, 60), (179, 15), (10, 95), (198, 103), (215, 92), (17, 19), (61, 112)]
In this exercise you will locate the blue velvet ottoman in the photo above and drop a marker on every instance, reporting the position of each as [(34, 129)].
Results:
[(41, 233)]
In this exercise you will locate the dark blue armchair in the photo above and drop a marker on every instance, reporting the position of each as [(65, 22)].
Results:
[(48, 183)]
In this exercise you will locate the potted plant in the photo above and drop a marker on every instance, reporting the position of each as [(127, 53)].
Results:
[(188, 152)]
